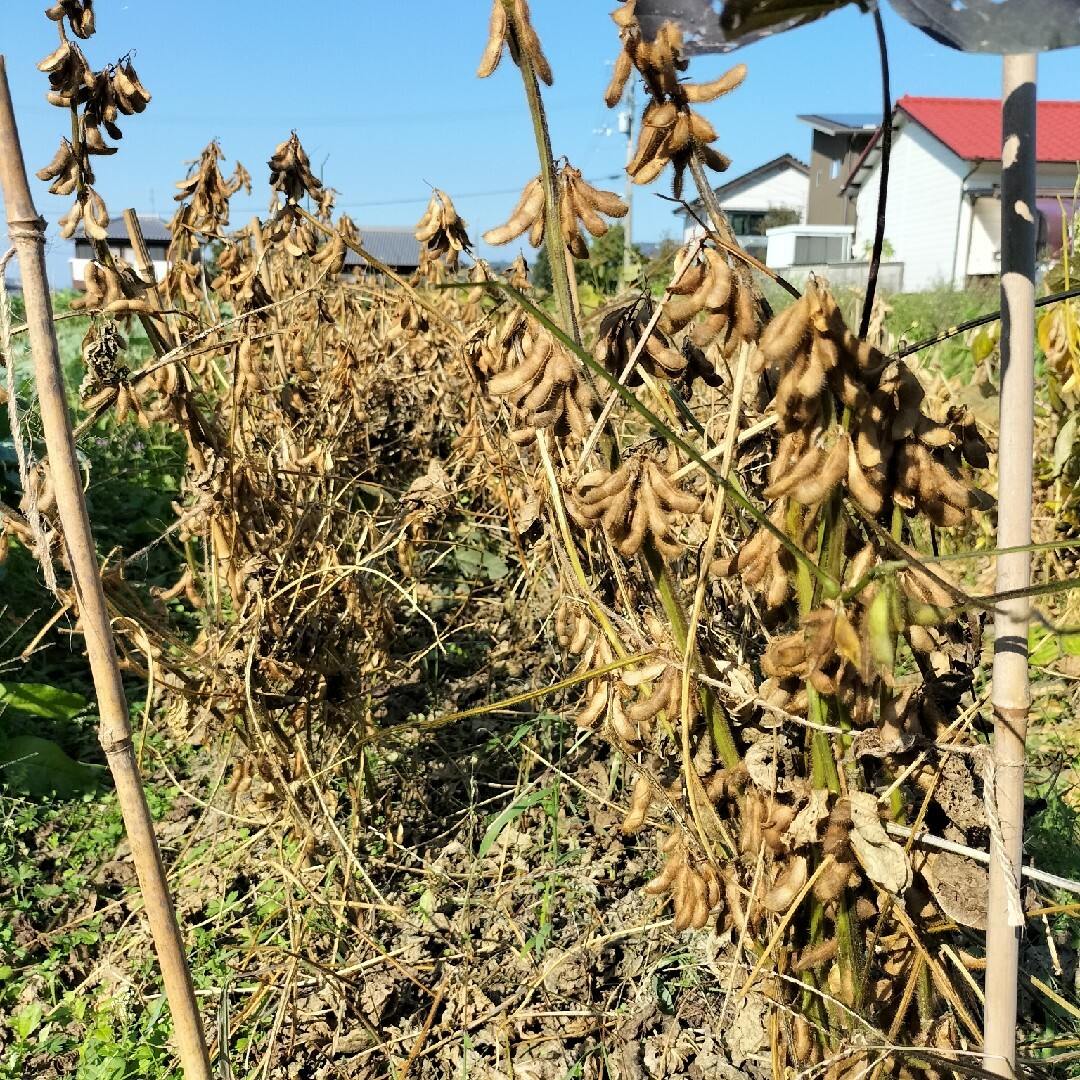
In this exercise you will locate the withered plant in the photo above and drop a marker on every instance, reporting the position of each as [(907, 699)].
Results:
[(807, 685), (738, 517)]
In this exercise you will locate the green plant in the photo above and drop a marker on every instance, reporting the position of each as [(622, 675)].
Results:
[(887, 250), (603, 268)]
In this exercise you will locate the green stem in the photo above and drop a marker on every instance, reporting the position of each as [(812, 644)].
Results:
[(671, 599), (553, 237)]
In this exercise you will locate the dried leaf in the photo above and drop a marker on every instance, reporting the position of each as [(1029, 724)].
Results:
[(884, 860), (761, 763), (960, 886), (805, 828)]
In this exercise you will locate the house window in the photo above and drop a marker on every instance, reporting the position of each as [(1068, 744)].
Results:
[(747, 222), (810, 250), (834, 169)]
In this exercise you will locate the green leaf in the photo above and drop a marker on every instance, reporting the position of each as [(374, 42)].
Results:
[(27, 1020), (40, 767), (982, 346), (1063, 445), (665, 999), (1043, 648), (42, 700), (511, 813), (474, 561)]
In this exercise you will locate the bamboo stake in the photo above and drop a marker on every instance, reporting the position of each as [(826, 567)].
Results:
[(27, 232), (145, 266), (1011, 692)]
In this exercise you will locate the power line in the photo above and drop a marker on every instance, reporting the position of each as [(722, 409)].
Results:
[(424, 198)]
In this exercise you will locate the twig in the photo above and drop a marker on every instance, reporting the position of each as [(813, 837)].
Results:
[(980, 320), (931, 841), (883, 180)]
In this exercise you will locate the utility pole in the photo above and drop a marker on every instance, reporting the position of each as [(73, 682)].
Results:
[(626, 125)]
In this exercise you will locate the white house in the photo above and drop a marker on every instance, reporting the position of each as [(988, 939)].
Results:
[(943, 218), (782, 184), (155, 232)]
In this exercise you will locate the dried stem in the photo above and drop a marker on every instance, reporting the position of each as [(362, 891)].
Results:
[(26, 229)]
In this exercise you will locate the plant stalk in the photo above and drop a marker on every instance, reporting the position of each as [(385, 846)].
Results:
[(883, 180), (553, 237), (26, 229)]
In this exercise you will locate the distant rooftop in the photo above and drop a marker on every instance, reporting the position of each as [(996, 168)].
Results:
[(155, 229), (394, 245), (842, 123), (971, 129)]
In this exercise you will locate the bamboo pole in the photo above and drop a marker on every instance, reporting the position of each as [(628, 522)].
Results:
[(1011, 692), (27, 232)]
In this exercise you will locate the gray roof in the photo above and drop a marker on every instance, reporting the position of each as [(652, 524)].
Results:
[(395, 245), (155, 229), (842, 123)]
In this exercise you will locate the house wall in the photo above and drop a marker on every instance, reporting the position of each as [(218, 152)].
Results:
[(941, 222), (121, 249), (832, 159), (984, 250), (783, 242), (786, 188), (78, 271), (923, 218)]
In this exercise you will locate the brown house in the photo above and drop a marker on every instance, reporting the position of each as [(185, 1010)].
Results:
[(837, 144)]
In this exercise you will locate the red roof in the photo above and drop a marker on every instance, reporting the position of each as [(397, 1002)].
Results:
[(971, 127)]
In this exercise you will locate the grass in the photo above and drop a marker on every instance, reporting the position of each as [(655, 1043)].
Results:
[(55, 855)]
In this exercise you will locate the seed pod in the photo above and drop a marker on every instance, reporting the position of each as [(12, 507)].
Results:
[(808, 466), (663, 881), (668, 495), (815, 489), (526, 214), (787, 887), (640, 801), (619, 77), (785, 656), (881, 632), (802, 1046), (785, 335), (660, 699), (862, 489), (497, 32), (697, 93), (644, 674)]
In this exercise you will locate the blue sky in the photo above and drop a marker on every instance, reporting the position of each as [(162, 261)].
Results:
[(386, 102)]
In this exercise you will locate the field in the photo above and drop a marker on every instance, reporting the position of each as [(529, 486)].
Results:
[(581, 682)]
